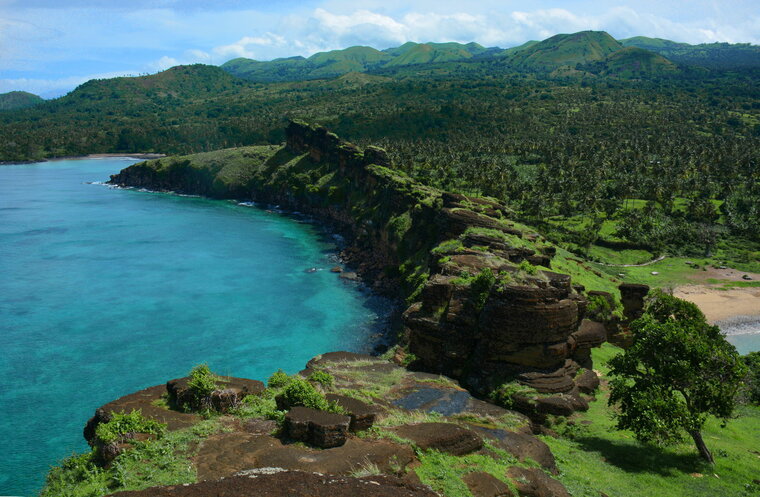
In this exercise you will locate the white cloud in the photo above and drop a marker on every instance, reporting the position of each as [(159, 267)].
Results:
[(248, 46), (40, 42)]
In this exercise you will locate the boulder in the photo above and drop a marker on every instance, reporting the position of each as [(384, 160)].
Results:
[(632, 297), (362, 415), (524, 446), (532, 482), (318, 428), (444, 437), (483, 484), (587, 382), (232, 391), (145, 401), (273, 482)]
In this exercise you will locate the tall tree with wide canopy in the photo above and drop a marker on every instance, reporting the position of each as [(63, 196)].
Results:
[(679, 371)]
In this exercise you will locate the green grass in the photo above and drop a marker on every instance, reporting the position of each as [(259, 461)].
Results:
[(612, 256), (672, 271), (165, 461), (597, 458)]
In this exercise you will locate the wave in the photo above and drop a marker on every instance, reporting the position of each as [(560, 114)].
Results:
[(740, 325)]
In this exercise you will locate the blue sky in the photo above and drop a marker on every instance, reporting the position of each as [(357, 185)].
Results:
[(49, 47)]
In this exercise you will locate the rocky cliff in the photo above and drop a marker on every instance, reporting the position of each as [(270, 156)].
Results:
[(483, 306)]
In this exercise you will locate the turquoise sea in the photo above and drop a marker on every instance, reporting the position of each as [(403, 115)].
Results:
[(106, 291), (743, 332)]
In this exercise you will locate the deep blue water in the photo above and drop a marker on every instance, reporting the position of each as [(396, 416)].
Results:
[(105, 291)]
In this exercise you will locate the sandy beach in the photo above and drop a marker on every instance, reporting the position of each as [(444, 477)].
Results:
[(721, 305)]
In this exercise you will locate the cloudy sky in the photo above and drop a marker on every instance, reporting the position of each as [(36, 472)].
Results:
[(48, 47)]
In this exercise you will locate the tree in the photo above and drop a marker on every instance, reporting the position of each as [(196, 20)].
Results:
[(679, 371)]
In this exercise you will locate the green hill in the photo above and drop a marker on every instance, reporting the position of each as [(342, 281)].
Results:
[(287, 69), (354, 59), (708, 55), (423, 53), (563, 50), (631, 62), (18, 100)]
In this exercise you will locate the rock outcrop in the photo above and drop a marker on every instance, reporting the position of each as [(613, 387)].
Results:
[(274, 482), (485, 308)]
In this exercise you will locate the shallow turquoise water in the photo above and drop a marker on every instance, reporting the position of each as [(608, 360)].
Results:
[(106, 291)]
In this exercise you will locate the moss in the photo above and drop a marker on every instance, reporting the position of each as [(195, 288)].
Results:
[(447, 247), (399, 225)]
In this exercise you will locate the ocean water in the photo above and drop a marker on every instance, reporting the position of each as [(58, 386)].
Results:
[(106, 291), (743, 332)]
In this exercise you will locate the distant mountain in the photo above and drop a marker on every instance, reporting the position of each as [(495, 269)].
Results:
[(708, 55), (631, 62), (563, 50), (354, 59), (190, 82), (18, 100)]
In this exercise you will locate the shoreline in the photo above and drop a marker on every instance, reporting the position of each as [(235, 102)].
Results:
[(136, 155), (384, 333), (731, 309)]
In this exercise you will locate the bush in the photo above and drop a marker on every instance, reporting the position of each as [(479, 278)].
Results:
[(302, 393), (279, 379), (504, 394), (202, 383), (322, 377), (481, 287), (752, 380), (260, 406), (122, 424), (528, 267)]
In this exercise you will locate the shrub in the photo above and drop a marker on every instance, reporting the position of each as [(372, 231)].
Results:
[(122, 424), (279, 379), (322, 377), (260, 406), (302, 393), (752, 380), (481, 287), (528, 267), (504, 394), (202, 383)]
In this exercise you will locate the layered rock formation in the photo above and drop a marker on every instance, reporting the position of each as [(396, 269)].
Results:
[(484, 309)]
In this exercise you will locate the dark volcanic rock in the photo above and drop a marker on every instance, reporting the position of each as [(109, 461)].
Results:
[(524, 446), (532, 482), (225, 454), (444, 437), (632, 297), (362, 415), (275, 483), (318, 428), (587, 382), (142, 400), (486, 485), (231, 392)]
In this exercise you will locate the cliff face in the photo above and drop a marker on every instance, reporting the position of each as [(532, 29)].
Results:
[(482, 309)]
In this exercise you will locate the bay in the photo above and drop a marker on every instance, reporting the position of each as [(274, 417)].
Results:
[(106, 291)]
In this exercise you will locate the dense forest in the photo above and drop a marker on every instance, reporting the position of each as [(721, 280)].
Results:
[(654, 160)]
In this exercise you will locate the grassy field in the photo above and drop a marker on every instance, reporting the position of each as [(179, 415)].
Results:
[(596, 459)]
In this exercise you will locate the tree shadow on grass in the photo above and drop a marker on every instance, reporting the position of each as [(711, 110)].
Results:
[(640, 458)]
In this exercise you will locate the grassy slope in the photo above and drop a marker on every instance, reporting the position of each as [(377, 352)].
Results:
[(598, 458)]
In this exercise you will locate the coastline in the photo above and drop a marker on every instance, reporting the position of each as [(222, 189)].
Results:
[(136, 155), (735, 310)]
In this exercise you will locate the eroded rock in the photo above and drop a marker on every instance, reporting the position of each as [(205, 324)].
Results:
[(318, 428), (292, 484), (444, 437)]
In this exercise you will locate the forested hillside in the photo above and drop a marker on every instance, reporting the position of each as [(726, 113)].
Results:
[(663, 159)]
